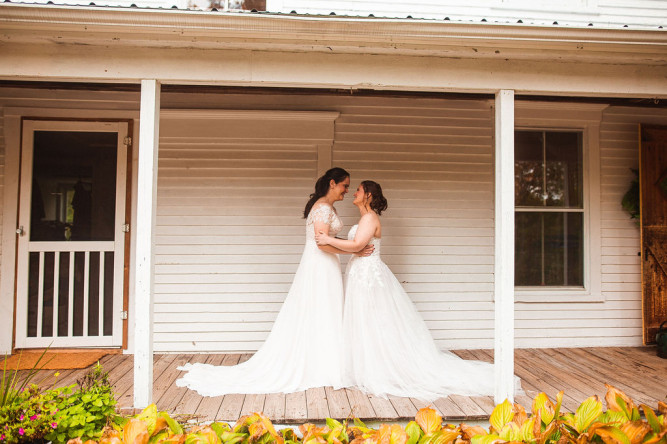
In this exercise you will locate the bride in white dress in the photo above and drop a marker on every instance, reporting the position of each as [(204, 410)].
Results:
[(304, 347), (388, 348)]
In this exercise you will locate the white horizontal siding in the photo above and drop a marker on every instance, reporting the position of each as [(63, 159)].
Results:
[(230, 233), (436, 172), (640, 13)]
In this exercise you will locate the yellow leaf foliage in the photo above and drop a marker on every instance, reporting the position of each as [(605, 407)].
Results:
[(612, 401), (429, 420)]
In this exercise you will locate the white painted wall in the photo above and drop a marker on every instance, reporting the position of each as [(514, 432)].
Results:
[(613, 13), (230, 234)]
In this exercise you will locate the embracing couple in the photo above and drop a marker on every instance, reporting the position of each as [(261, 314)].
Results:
[(367, 335)]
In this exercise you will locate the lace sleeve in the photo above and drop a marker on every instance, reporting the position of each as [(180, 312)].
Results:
[(323, 213)]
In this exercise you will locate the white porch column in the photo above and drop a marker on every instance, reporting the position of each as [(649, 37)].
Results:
[(145, 234), (504, 249)]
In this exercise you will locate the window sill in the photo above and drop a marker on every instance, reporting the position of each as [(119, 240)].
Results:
[(556, 295)]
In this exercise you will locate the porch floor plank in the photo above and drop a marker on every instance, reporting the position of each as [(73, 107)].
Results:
[(613, 375), (296, 409), (173, 396), (580, 373), (449, 409), (384, 411), (534, 381), (468, 406), (563, 377), (213, 408), (403, 406), (420, 404), (274, 405), (630, 374), (253, 403), (360, 404), (339, 404), (316, 404), (165, 383), (191, 400)]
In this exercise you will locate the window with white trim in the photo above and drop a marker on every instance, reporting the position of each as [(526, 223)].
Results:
[(549, 209)]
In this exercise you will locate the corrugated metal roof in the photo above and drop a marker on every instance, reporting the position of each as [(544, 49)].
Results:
[(149, 5)]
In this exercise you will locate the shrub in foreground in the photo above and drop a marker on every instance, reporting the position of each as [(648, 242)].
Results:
[(32, 415), (621, 423)]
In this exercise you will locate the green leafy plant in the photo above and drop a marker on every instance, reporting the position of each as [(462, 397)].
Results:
[(31, 416), (630, 201), (83, 413)]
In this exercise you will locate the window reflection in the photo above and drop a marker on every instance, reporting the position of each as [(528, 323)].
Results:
[(549, 220), (74, 186)]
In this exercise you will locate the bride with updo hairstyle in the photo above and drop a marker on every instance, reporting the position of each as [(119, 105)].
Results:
[(389, 349), (297, 354)]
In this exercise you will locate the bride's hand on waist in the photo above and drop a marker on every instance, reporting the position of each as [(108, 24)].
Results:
[(366, 251)]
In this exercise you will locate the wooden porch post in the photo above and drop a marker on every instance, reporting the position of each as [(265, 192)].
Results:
[(504, 248), (149, 127)]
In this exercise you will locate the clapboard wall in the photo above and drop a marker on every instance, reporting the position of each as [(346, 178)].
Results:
[(230, 232)]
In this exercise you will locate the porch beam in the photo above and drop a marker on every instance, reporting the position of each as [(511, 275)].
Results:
[(149, 127), (504, 247)]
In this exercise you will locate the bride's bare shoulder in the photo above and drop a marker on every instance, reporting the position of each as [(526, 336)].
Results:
[(370, 218)]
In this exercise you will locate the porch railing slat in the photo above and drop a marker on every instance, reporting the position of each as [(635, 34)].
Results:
[(40, 295), (70, 297), (56, 291), (100, 297), (86, 291)]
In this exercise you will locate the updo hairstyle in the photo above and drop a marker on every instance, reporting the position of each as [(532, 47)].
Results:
[(322, 186), (378, 201)]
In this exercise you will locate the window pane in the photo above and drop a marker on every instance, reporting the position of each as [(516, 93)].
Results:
[(529, 168), (74, 186), (548, 249), (563, 169)]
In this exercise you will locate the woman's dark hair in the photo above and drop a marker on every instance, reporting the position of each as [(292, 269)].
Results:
[(322, 186), (378, 202)]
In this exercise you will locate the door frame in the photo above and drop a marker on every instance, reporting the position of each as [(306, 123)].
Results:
[(24, 244), (13, 128)]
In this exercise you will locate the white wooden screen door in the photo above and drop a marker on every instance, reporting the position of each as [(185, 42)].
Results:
[(70, 236)]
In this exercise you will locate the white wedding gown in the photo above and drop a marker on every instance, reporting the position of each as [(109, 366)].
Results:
[(305, 346), (388, 348)]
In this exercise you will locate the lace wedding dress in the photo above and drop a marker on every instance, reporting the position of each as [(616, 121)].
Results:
[(389, 349), (304, 348)]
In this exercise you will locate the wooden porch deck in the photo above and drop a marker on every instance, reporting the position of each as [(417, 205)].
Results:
[(580, 372)]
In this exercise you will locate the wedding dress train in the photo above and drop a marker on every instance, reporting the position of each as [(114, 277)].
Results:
[(388, 348), (304, 348)]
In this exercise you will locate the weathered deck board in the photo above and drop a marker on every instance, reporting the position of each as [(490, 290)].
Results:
[(316, 404), (403, 406), (384, 411), (274, 405), (296, 408), (360, 404), (339, 404), (173, 395), (580, 373), (223, 408), (190, 401)]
